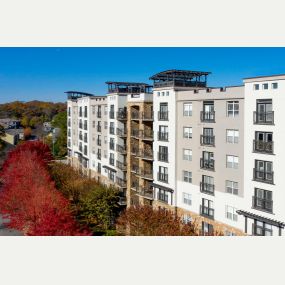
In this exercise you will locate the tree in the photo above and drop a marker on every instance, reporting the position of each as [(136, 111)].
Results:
[(146, 221), (27, 133), (2, 131), (34, 121), (25, 122), (28, 196)]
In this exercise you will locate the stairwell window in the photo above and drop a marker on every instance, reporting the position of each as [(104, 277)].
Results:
[(187, 132), (232, 108), (187, 109), (187, 154), (256, 87), (232, 136), (231, 213), (265, 86), (232, 161), (187, 199), (232, 187), (187, 176), (274, 85)]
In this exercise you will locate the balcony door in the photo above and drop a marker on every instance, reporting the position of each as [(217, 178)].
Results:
[(264, 169), (264, 111), (263, 136)]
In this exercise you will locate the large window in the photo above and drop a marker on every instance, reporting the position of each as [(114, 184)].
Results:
[(207, 229), (187, 109), (274, 85), (187, 154), (232, 108), (264, 113), (262, 200), (232, 136), (163, 153), (263, 171), (163, 174), (187, 132), (232, 187), (187, 199), (231, 213), (187, 176), (163, 112), (262, 229), (232, 161), (163, 133), (162, 195)]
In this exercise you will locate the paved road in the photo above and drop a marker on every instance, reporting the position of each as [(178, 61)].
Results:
[(4, 231)]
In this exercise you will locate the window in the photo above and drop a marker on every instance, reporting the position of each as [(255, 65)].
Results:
[(167, 93), (274, 85), (187, 109), (262, 229), (208, 137), (85, 111), (93, 110), (105, 140), (228, 233), (163, 133), (232, 108), (263, 142), (207, 208), (231, 213), (264, 113), (256, 86), (208, 113), (263, 171), (106, 125), (163, 112), (207, 161), (265, 86), (186, 219), (232, 161), (158, 94), (162, 195), (207, 185), (232, 187), (163, 174), (232, 136), (187, 176), (163, 153), (187, 132), (187, 154), (162, 93), (262, 200), (112, 159), (207, 229), (187, 199)]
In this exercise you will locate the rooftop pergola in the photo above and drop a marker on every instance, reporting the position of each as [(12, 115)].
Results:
[(77, 94), (128, 87), (180, 78)]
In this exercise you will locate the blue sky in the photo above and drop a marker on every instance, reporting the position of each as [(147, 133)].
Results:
[(45, 73)]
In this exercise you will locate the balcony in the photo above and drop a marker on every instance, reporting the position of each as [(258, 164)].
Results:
[(121, 149), (146, 154), (207, 164), (135, 115), (85, 139), (122, 201), (135, 185), (147, 116), (162, 177), (161, 156), (80, 113), (111, 161), (146, 174), (99, 115), (262, 146), (162, 136), (147, 135), (111, 146), (262, 204), (98, 142), (112, 115), (122, 166), (207, 212), (111, 130), (121, 182), (146, 192), (163, 116), (99, 129), (121, 132), (85, 127), (80, 125), (122, 115), (263, 176), (85, 114), (208, 117), (263, 118), (135, 133), (207, 188), (80, 137), (134, 151), (99, 155), (135, 169), (207, 140)]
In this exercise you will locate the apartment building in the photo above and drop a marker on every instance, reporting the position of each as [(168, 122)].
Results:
[(205, 153)]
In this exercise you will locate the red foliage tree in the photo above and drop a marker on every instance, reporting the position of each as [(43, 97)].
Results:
[(29, 198)]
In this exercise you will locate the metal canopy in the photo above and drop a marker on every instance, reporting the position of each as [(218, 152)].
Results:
[(77, 94), (262, 219), (128, 87), (109, 168), (161, 187), (180, 78)]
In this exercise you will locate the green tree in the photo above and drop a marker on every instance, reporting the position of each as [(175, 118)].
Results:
[(60, 121), (25, 122)]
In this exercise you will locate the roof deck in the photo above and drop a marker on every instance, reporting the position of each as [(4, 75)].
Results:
[(128, 87), (73, 95), (180, 78)]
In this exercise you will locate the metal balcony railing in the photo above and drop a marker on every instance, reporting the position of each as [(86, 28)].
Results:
[(207, 212), (263, 176), (207, 164), (162, 177), (262, 204), (208, 117), (162, 156), (207, 140), (207, 188), (162, 136), (263, 118), (262, 146), (163, 116)]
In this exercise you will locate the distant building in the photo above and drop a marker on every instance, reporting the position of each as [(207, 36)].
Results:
[(8, 123), (12, 136)]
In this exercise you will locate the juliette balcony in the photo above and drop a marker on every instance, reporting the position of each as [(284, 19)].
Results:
[(162, 136), (207, 188), (263, 118), (207, 117), (207, 164), (162, 177), (262, 204), (207, 140), (262, 146), (207, 212), (163, 116), (263, 176)]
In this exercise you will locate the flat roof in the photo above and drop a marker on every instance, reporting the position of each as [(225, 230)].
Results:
[(128, 83), (274, 75), (79, 93)]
